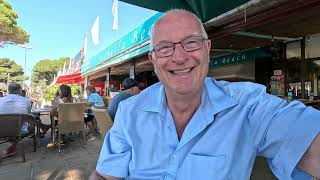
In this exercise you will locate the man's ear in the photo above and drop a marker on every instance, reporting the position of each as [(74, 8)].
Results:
[(150, 57), (209, 45)]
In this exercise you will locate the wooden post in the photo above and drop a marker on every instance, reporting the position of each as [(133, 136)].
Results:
[(107, 83), (132, 70), (303, 67), (86, 82)]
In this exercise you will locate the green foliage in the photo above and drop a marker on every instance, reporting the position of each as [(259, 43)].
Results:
[(51, 91), (10, 32), (9, 66), (313, 68), (37, 89), (47, 69)]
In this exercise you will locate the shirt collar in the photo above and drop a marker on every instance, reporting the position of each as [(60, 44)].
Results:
[(219, 99), (154, 98)]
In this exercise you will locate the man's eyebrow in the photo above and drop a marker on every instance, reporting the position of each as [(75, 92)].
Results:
[(169, 42), (163, 42)]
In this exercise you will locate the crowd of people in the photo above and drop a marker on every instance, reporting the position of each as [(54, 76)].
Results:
[(17, 102)]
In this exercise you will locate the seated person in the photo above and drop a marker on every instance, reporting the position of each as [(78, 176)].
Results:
[(79, 96), (130, 88), (14, 102), (190, 126), (62, 96), (94, 99)]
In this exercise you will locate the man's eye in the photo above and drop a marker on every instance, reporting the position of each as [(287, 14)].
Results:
[(191, 43), (164, 49)]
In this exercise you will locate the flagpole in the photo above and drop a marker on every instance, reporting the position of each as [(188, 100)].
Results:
[(115, 17), (116, 35)]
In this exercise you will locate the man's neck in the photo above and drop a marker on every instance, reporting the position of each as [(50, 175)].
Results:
[(182, 108), (128, 91)]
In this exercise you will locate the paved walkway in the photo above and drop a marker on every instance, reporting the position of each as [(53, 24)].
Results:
[(76, 161)]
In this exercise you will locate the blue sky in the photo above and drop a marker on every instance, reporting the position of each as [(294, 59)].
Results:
[(57, 28)]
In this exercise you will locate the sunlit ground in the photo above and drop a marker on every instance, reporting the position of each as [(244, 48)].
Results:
[(76, 161)]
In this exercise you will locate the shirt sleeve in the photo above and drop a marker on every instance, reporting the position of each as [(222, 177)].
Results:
[(116, 152), (283, 132), (112, 109), (54, 110)]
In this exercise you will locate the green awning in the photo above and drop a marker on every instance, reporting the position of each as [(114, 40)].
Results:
[(205, 9), (239, 57), (118, 59)]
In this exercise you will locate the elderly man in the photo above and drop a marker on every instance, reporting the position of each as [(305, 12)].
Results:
[(15, 103), (130, 88), (190, 126)]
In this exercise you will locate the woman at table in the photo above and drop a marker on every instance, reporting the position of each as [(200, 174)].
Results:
[(64, 96)]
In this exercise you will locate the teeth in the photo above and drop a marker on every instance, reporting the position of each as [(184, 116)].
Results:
[(182, 71)]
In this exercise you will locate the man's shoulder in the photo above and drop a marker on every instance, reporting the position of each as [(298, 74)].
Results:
[(92, 96), (238, 85), (237, 89), (95, 95), (15, 97), (123, 95)]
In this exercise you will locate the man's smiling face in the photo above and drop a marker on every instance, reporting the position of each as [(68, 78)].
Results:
[(182, 72)]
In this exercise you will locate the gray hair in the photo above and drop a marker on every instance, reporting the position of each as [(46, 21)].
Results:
[(182, 11), (14, 88), (91, 89)]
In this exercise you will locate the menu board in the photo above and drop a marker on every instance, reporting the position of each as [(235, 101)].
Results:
[(277, 85)]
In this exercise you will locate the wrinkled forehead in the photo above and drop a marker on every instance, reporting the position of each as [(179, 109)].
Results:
[(175, 27)]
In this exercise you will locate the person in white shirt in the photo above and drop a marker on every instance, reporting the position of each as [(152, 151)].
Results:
[(14, 102)]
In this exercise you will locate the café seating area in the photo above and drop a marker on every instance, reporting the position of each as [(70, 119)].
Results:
[(75, 161)]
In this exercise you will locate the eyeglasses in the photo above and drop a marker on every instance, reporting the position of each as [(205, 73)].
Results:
[(166, 49)]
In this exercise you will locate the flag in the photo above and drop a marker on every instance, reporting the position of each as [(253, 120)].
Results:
[(95, 31), (76, 63), (60, 71), (64, 68), (115, 15), (85, 45), (70, 64)]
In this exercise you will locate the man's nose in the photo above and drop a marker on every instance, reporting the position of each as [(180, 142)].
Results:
[(179, 54)]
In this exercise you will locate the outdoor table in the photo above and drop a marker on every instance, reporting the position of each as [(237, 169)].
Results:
[(314, 103), (38, 112)]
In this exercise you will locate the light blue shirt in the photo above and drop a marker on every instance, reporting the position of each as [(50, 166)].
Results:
[(95, 99), (234, 123)]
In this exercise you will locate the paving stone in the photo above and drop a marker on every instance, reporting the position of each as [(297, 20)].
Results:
[(74, 162)]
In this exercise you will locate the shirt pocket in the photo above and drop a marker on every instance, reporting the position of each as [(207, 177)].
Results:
[(206, 167)]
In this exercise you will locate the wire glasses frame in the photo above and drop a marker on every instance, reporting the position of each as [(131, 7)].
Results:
[(166, 49)]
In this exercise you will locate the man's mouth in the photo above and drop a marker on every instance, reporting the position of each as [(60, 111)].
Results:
[(181, 72)]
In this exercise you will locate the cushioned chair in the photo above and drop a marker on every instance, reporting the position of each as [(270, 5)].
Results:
[(10, 125), (70, 120), (103, 119)]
